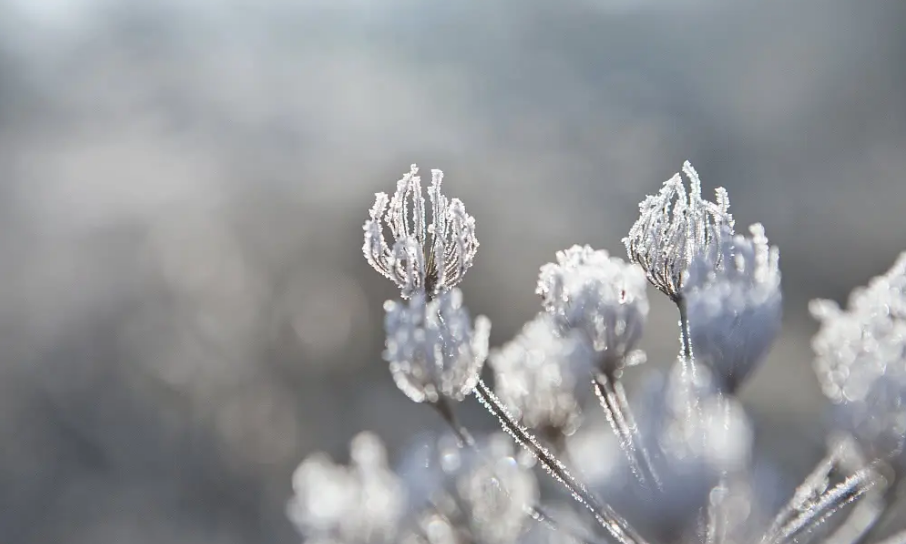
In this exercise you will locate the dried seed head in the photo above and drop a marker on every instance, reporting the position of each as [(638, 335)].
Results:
[(536, 375), (733, 303), (432, 347), (600, 296), (483, 493), (424, 258), (861, 360), (357, 504), (674, 228)]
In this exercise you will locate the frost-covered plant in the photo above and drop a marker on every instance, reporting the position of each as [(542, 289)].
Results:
[(425, 258), (536, 375), (693, 474), (432, 347), (600, 296), (861, 360), (357, 504), (733, 304)]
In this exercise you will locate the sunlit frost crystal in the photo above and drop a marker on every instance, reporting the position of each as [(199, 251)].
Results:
[(601, 296), (861, 359), (432, 347), (674, 228), (357, 504), (424, 258), (733, 303)]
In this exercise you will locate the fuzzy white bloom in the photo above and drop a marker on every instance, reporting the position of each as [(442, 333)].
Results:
[(601, 296), (477, 495), (733, 303), (425, 258), (674, 228), (702, 426), (432, 347), (536, 374), (861, 359), (361, 503)]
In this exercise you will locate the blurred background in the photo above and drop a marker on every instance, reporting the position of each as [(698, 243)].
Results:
[(184, 309)]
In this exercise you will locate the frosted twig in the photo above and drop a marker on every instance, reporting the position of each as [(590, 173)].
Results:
[(616, 407), (604, 514), (830, 502), (813, 486)]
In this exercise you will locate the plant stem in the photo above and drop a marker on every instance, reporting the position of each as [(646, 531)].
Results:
[(604, 514)]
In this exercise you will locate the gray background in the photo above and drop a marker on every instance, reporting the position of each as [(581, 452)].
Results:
[(184, 309)]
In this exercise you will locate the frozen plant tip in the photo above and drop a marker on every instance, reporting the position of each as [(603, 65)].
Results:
[(424, 258), (433, 350), (674, 227), (861, 360), (733, 303), (600, 296)]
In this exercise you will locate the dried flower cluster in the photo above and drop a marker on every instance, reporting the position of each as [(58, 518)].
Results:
[(677, 466)]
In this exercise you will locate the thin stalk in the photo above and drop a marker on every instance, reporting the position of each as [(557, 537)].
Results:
[(830, 502), (616, 408), (685, 338), (604, 514)]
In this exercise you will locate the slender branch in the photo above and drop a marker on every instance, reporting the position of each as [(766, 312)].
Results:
[(814, 485), (612, 397), (831, 501), (604, 514), (685, 337)]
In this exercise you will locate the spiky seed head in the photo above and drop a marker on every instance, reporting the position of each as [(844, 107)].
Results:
[(424, 258), (674, 227)]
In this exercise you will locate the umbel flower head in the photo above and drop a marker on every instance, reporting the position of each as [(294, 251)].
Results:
[(733, 303), (475, 495), (861, 360), (674, 227), (432, 348), (536, 375), (425, 258), (600, 296), (357, 504)]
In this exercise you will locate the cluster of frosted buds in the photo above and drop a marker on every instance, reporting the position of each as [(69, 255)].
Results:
[(733, 304), (601, 296), (535, 375), (432, 347), (674, 228), (425, 258), (476, 496), (861, 360), (358, 504)]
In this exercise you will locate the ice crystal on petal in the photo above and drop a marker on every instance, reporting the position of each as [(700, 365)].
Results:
[(424, 258), (357, 504), (432, 347), (861, 359), (601, 296), (674, 228), (733, 303), (536, 375)]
